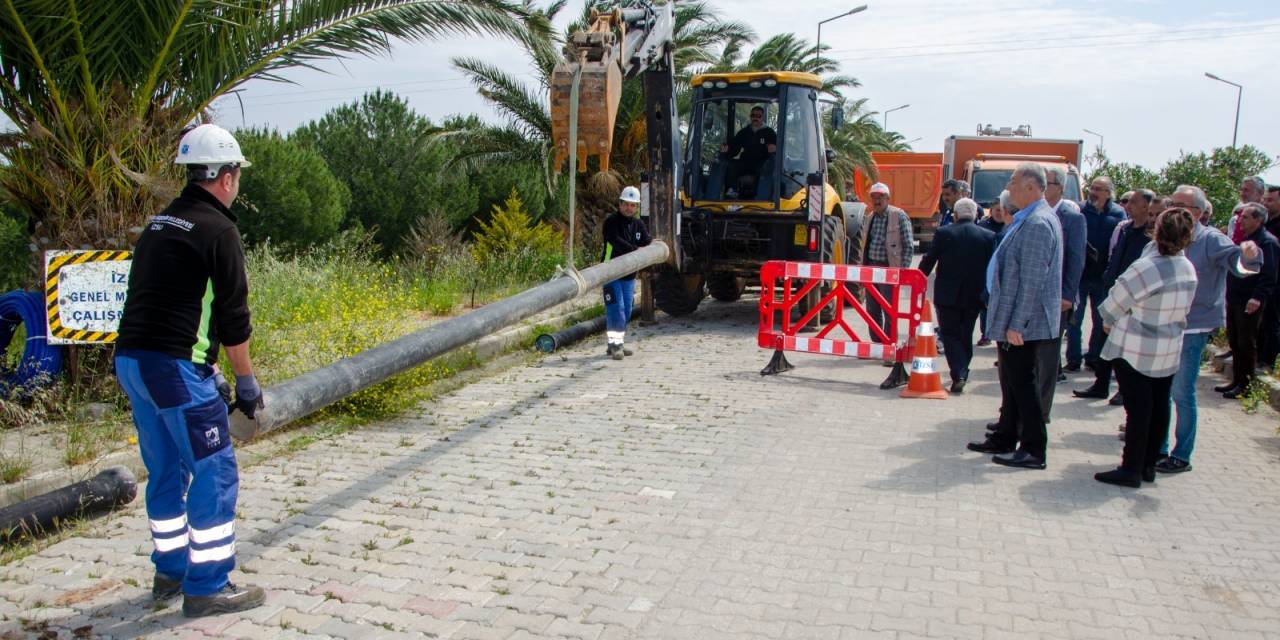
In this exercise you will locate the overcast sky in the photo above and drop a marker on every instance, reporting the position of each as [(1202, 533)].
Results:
[(1131, 70)]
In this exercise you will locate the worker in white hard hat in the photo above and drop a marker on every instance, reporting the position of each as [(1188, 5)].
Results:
[(886, 243), (624, 232), (188, 296)]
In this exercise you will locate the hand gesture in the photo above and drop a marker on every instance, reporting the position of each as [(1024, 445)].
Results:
[(1013, 337), (1252, 306), (1250, 249)]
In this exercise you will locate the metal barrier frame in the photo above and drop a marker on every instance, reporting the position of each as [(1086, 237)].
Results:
[(779, 293)]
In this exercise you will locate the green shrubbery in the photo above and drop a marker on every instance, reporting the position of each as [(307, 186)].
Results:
[(289, 196), (15, 255), (511, 239)]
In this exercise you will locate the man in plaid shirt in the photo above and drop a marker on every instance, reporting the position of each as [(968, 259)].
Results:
[(886, 243)]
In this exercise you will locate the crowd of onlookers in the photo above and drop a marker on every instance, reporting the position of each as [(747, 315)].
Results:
[(1155, 278)]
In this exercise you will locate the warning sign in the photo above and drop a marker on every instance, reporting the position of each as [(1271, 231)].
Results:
[(84, 293)]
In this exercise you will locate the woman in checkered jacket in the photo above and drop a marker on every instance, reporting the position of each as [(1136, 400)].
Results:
[(1144, 315)]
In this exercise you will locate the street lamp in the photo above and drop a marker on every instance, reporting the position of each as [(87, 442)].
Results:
[(886, 115), (1101, 140), (817, 50), (1239, 93)]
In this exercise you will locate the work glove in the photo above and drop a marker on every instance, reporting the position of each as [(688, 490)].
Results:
[(248, 395), (224, 390)]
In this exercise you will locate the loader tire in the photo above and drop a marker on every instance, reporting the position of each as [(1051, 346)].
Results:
[(726, 287), (835, 250), (678, 294)]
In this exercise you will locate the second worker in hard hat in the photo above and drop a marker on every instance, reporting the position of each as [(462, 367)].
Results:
[(624, 232), (188, 296)]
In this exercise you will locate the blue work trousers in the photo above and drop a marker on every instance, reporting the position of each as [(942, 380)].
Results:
[(185, 441), (619, 297), (1183, 396)]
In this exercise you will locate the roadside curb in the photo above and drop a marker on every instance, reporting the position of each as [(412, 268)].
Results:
[(1273, 386), (488, 347)]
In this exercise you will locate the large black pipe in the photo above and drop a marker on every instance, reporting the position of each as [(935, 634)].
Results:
[(314, 390), (549, 342), (34, 517)]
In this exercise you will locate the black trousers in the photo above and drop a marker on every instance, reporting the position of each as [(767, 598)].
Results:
[(1146, 422), (1269, 334), (1049, 364), (1021, 415), (1242, 334), (955, 328)]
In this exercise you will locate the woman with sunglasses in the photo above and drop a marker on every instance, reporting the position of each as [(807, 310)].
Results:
[(1144, 315)]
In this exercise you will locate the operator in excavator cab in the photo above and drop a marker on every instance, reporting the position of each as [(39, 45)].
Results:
[(747, 153)]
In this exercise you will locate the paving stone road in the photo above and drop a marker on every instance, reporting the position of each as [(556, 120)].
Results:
[(680, 495)]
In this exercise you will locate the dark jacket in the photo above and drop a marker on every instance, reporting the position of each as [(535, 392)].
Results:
[(622, 235), (1128, 249), (991, 225), (1099, 224), (1260, 287), (188, 293), (961, 252), (1073, 248), (754, 145)]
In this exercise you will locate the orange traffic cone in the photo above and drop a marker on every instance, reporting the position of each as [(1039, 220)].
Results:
[(926, 381)]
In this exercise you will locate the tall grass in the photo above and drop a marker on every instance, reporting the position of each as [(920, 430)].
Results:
[(315, 308)]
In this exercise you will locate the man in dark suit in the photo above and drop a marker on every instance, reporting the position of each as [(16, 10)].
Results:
[(961, 251)]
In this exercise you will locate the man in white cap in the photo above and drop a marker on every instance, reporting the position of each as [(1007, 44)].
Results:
[(624, 232), (188, 296), (886, 242)]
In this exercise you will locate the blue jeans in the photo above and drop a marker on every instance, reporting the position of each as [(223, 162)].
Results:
[(1092, 293), (185, 443), (1184, 396), (619, 296)]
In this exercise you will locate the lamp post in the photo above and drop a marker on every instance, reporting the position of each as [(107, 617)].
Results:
[(886, 115), (1239, 93), (817, 49), (1101, 141)]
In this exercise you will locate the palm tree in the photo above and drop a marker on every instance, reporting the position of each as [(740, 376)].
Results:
[(99, 91), (857, 137), (785, 52)]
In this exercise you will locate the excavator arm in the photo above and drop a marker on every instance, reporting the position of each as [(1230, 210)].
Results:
[(632, 41)]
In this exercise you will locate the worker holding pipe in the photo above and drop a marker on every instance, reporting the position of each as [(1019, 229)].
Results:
[(187, 296), (624, 232)]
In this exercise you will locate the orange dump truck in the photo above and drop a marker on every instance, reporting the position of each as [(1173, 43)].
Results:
[(915, 182), (985, 161)]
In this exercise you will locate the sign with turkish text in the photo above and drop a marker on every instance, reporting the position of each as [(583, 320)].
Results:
[(84, 295)]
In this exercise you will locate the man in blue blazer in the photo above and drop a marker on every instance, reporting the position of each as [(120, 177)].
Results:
[(961, 251), (1024, 311)]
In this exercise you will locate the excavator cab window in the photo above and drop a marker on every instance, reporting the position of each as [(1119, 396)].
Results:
[(734, 147), (802, 150)]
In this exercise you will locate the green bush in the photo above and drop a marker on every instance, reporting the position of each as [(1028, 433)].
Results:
[(15, 254), (512, 240), (289, 196)]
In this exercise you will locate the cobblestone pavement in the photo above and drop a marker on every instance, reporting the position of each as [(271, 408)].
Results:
[(678, 494)]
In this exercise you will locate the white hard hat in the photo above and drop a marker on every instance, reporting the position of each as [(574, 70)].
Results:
[(630, 194), (880, 187), (212, 146)]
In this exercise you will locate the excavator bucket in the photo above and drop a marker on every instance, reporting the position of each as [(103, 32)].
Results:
[(590, 53)]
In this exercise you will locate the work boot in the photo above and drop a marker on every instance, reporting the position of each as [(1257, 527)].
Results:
[(228, 600), (627, 352), (164, 587), (615, 351)]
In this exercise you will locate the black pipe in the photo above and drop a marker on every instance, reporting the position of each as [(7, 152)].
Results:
[(36, 516), (549, 342)]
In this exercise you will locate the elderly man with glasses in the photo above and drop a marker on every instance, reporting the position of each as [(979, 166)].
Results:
[(1214, 256), (1246, 298), (1101, 215)]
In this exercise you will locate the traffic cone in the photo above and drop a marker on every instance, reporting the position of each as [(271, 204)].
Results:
[(926, 381)]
